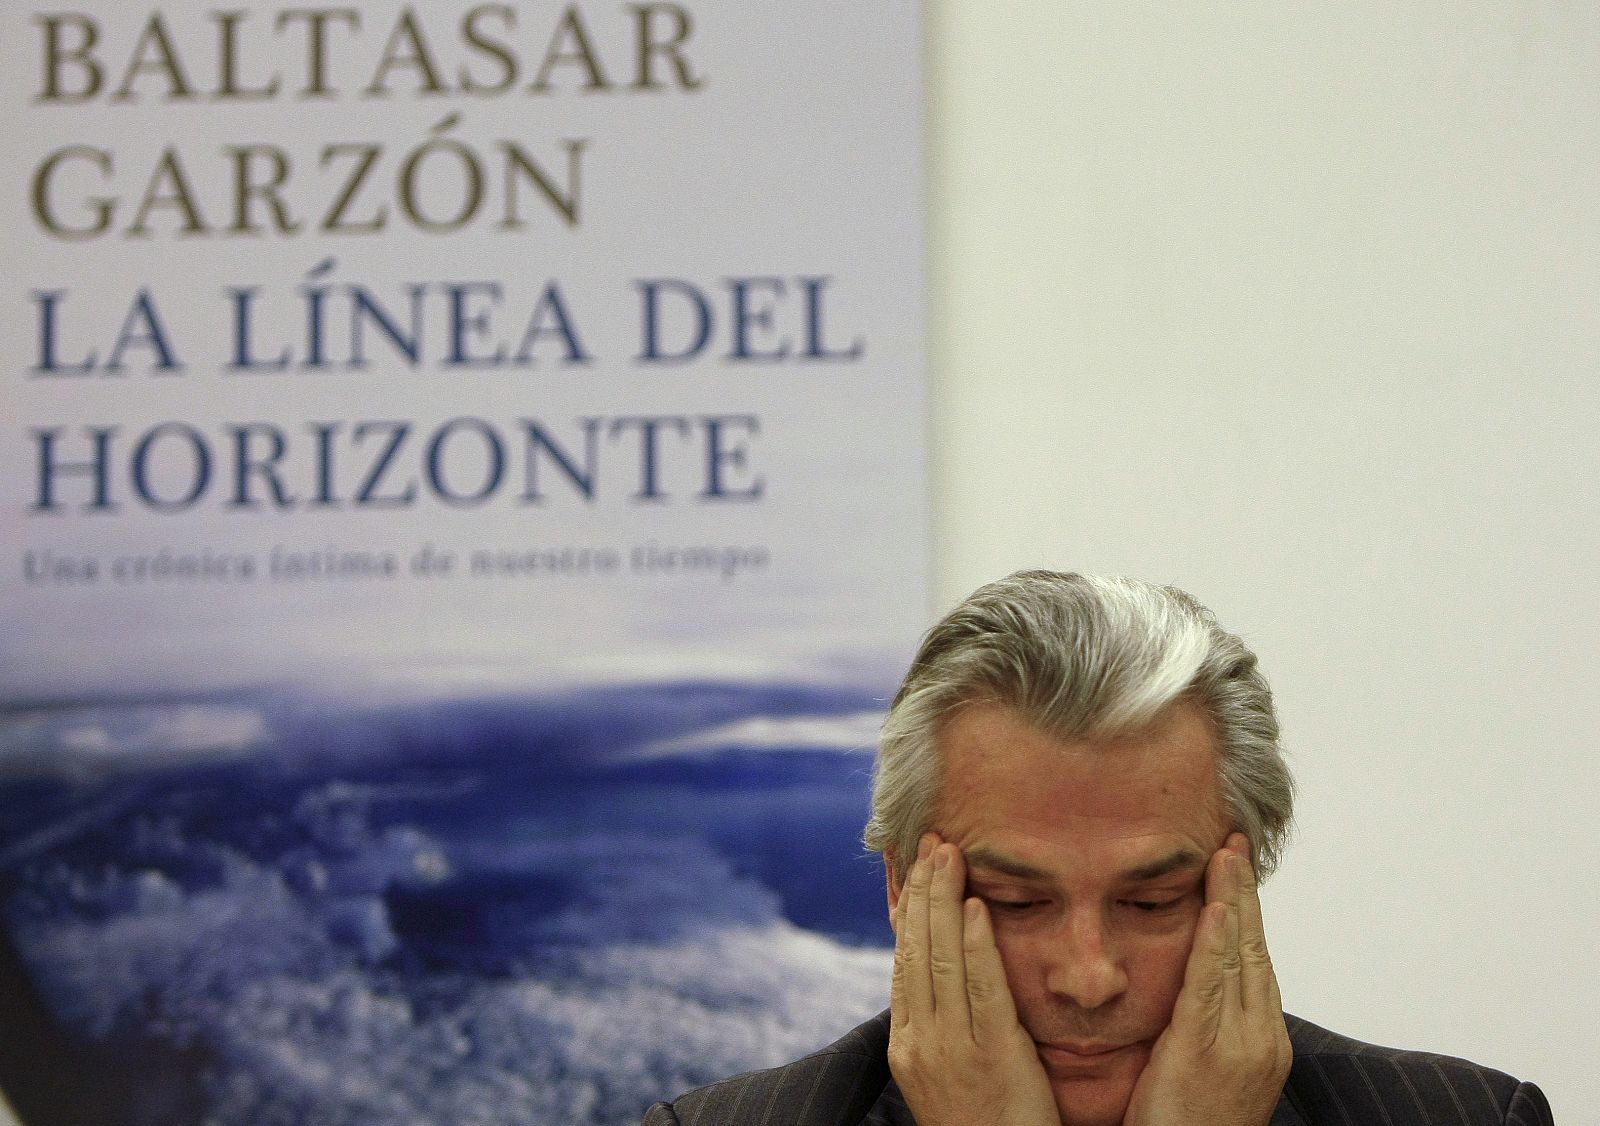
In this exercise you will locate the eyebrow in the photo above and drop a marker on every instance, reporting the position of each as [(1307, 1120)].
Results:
[(1178, 860), (991, 861)]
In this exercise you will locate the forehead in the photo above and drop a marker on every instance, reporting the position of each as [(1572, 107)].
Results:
[(1063, 804)]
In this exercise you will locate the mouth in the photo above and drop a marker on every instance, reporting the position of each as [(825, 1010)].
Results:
[(1080, 1056)]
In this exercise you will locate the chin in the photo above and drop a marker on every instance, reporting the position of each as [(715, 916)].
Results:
[(1098, 1099), (1081, 1108)]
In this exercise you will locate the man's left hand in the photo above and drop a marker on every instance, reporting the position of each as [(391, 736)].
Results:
[(1223, 1059)]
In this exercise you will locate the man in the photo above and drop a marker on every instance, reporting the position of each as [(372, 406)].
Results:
[(1079, 786)]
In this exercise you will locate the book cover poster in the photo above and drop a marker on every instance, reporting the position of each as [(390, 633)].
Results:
[(463, 509)]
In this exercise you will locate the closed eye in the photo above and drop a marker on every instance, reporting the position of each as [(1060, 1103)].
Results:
[(1151, 906), (1011, 905)]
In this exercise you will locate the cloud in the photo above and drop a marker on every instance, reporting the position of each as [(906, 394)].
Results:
[(336, 948), (102, 732), (199, 728), (88, 739), (632, 992), (856, 731), (644, 1022)]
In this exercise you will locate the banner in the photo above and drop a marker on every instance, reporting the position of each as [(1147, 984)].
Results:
[(462, 490)]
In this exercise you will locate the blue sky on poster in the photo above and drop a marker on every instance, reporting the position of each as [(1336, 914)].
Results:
[(99, 735)]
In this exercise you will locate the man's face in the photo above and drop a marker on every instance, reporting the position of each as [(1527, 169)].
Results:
[(1091, 857)]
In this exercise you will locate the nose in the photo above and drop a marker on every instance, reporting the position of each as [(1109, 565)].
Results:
[(1084, 965)]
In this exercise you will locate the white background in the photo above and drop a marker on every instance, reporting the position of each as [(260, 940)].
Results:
[(1293, 306)]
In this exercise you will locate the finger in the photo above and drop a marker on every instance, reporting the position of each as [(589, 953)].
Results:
[(1215, 877), (1259, 982), (1199, 1004), (911, 945), (899, 1001), (993, 1012), (1274, 996), (946, 960), (1232, 961)]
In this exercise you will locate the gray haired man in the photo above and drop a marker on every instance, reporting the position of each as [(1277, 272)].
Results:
[(1079, 787)]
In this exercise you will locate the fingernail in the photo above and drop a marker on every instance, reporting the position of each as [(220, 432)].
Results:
[(924, 846), (941, 858)]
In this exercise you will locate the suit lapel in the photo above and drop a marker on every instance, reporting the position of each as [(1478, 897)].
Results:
[(1286, 1114), (890, 1109)]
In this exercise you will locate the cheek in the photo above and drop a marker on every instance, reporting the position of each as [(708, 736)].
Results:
[(1018, 957), (1158, 967), (1006, 941)]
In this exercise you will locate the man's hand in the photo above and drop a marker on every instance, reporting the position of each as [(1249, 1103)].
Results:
[(1224, 1058), (956, 1049)]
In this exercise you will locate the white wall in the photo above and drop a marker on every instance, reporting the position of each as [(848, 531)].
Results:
[(1295, 306)]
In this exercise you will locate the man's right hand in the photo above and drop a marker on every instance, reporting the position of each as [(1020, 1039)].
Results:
[(956, 1048)]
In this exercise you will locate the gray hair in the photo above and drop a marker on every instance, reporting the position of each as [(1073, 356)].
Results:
[(1082, 657)]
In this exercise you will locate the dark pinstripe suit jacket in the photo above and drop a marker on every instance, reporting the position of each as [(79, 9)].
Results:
[(1335, 1081)]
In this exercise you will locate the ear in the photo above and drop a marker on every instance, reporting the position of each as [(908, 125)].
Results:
[(891, 883)]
